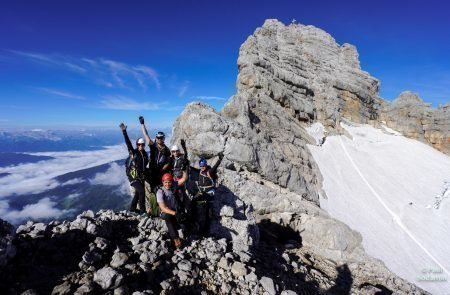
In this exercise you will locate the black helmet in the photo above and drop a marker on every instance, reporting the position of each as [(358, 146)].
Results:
[(160, 134)]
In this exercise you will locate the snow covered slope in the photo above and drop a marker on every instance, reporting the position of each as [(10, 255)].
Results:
[(386, 187)]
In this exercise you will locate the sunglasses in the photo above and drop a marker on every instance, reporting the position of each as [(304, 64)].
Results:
[(162, 137), (141, 144)]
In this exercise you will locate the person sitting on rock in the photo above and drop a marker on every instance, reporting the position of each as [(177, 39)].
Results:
[(159, 155), (136, 170), (206, 189), (170, 205)]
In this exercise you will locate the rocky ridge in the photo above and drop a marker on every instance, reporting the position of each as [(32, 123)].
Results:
[(415, 119), (115, 253), (289, 77)]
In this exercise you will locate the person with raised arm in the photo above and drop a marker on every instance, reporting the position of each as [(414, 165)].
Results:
[(159, 155), (136, 169)]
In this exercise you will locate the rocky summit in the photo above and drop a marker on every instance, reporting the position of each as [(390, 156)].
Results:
[(115, 253), (268, 234)]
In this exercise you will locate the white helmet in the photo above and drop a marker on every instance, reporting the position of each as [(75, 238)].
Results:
[(174, 148), (140, 140)]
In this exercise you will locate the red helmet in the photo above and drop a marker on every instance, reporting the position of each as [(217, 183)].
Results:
[(167, 176)]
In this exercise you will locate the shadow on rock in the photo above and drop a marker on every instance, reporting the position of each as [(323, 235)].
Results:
[(277, 269), (46, 256), (343, 282)]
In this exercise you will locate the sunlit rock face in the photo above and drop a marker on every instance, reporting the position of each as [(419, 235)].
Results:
[(289, 76), (414, 118)]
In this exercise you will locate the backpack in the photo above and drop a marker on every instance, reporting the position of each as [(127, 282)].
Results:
[(151, 202), (130, 168)]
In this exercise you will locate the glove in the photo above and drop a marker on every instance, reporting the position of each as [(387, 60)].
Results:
[(220, 155), (183, 143), (141, 119), (123, 126)]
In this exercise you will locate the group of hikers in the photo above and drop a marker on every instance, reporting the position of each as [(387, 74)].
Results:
[(164, 178)]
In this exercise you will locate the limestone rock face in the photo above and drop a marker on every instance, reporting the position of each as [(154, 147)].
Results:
[(304, 71), (412, 117), (289, 76)]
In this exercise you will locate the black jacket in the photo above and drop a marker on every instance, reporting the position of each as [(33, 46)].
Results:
[(140, 158)]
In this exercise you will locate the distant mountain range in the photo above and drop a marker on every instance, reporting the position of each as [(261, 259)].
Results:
[(39, 140)]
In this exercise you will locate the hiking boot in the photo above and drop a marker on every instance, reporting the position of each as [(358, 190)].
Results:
[(177, 243)]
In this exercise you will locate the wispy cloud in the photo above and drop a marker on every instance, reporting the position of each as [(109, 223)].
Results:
[(105, 72), (202, 97), (128, 104), (61, 93), (75, 67), (77, 180), (183, 88), (36, 56), (73, 196)]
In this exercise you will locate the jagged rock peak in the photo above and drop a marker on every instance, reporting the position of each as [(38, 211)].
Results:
[(408, 97), (305, 71), (289, 76), (301, 33), (414, 118)]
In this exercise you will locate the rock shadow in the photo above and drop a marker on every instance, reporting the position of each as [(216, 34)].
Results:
[(42, 261), (272, 259)]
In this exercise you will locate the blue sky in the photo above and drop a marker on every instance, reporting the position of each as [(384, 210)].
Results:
[(79, 63)]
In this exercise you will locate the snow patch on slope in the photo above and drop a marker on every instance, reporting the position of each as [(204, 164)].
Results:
[(380, 184), (317, 131)]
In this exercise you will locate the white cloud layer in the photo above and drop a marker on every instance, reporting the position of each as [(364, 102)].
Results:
[(44, 208), (33, 178), (114, 176)]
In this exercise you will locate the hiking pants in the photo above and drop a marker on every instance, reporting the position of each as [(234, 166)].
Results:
[(139, 195), (202, 211), (172, 225), (155, 179)]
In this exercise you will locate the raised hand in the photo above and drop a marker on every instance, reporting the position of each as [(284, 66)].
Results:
[(123, 126), (141, 119)]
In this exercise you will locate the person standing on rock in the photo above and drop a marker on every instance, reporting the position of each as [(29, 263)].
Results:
[(170, 205), (159, 155), (178, 163), (136, 170), (206, 189)]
